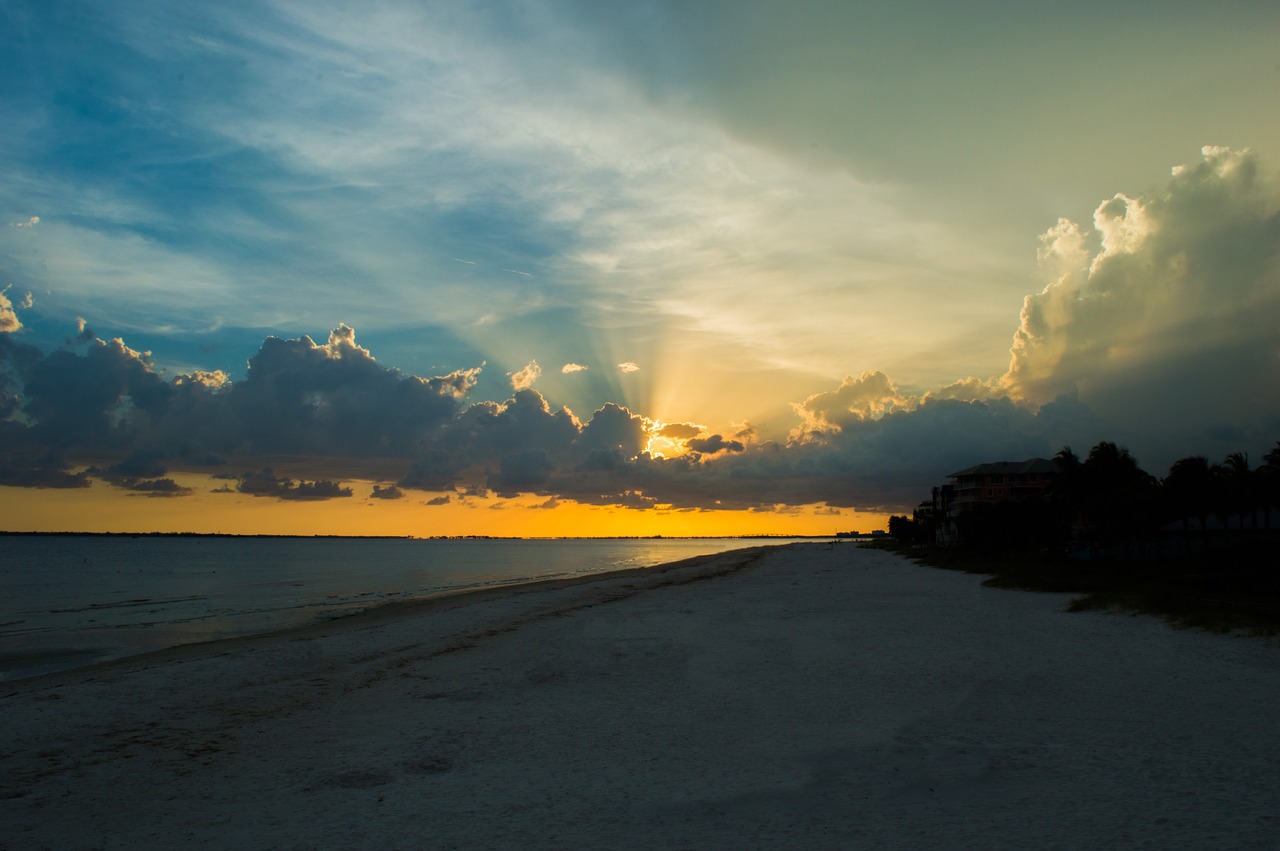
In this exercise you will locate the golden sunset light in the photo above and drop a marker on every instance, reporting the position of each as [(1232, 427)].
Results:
[(786, 283), (639, 424)]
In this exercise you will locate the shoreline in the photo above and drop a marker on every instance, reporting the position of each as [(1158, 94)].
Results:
[(381, 614), (799, 696)]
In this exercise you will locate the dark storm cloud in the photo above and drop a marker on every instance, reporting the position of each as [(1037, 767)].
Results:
[(614, 428), (142, 472), (527, 470), (266, 483), (99, 398), (155, 487), (714, 444), (335, 399), (17, 469)]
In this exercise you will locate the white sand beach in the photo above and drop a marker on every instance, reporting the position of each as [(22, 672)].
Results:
[(798, 697)]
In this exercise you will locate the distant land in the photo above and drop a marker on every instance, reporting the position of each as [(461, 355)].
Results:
[(842, 535)]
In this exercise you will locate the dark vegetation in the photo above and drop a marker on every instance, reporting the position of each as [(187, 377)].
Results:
[(1197, 547)]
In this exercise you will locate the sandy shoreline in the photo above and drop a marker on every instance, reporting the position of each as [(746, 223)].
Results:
[(801, 696), (383, 613)]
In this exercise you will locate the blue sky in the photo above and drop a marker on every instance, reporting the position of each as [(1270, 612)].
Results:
[(754, 203)]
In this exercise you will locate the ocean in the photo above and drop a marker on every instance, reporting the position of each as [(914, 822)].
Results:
[(70, 600)]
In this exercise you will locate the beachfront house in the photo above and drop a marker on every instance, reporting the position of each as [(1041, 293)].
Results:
[(986, 484)]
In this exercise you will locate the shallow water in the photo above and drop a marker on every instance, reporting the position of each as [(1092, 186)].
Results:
[(69, 601)]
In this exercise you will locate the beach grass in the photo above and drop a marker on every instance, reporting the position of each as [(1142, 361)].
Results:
[(1226, 590)]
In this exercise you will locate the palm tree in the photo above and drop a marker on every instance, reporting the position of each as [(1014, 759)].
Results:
[(1064, 491), (1269, 483), (1188, 490), (1119, 496), (1238, 488)]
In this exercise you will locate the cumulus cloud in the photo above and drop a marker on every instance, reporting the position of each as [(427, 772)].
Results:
[(1164, 318), (613, 427), (869, 396), (628, 366), (297, 398), (867, 443), (29, 223), (9, 321), (522, 471), (968, 390), (524, 378), (334, 399), (570, 368), (389, 492), (208, 380)]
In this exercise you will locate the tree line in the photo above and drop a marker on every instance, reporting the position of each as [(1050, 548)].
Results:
[(1105, 504)]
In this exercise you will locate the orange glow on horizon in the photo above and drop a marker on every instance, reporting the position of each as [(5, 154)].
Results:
[(103, 508)]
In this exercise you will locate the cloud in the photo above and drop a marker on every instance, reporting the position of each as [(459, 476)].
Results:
[(334, 399), (206, 379), (165, 487), (614, 428), (1163, 319), (266, 483), (438, 500), (680, 431), (524, 378), (1155, 328), (869, 396), (570, 368), (19, 470), (522, 471), (297, 398), (29, 223), (9, 321), (715, 444), (968, 390), (628, 366), (389, 492)]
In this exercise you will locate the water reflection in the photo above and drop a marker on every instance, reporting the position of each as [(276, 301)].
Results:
[(73, 600)]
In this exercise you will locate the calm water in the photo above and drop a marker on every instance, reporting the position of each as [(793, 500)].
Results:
[(71, 601)]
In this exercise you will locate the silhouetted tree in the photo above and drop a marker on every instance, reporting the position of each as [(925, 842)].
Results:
[(1065, 493), (902, 529), (1118, 496), (1238, 490), (1188, 490), (1269, 483)]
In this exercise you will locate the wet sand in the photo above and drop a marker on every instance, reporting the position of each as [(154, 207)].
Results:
[(803, 696)]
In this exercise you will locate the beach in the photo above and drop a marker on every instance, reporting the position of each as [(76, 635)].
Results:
[(808, 696)]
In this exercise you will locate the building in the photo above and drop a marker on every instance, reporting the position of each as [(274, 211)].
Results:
[(987, 483), (1002, 480)]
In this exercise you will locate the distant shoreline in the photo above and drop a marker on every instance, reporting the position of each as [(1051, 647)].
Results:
[(427, 537)]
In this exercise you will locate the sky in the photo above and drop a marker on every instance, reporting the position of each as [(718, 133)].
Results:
[(578, 268)]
